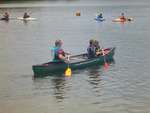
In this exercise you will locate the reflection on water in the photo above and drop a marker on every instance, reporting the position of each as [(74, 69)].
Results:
[(94, 76), (53, 85), (94, 80), (60, 88), (6, 21), (25, 22)]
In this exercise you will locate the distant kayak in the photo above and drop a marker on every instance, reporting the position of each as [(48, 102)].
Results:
[(26, 19), (123, 20), (4, 19), (99, 19)]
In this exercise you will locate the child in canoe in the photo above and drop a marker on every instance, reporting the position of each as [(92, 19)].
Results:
[(59, 54), (94, 49), (98, 50), (91, 49)]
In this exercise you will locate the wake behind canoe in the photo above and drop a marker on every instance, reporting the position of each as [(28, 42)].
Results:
[(76, 62)]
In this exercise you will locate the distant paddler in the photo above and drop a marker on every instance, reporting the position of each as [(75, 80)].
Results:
[(5, 16), (122, 18), (26, 15), (100, 15)]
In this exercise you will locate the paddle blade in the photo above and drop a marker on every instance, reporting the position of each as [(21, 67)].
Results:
[(68, 72), (106, 66)]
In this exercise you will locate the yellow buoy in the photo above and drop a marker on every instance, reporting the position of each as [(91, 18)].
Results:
[(68, 72), (78, 13)]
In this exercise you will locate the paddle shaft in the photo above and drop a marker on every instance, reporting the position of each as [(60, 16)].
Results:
[(104, 55), (68, 72), (103, 52), (80, 55)]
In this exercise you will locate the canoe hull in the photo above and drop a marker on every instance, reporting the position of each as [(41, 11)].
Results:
[(4, 19), (52, 68)]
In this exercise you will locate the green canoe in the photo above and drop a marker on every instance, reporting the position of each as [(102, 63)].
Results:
[(76, 62)]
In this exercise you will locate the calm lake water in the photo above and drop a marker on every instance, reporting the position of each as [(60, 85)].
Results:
[(123, 88)]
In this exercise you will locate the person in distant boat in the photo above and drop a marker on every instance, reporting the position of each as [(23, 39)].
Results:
[(91, 49), (100, 15), (59, 54), (122, 17), (26, 15), (5, 16)]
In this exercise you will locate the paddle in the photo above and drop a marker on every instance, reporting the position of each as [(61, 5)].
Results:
[(80, 55), (68, 71), (105, 63)]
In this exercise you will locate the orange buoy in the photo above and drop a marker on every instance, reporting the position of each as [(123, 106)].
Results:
[(78, 13)]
